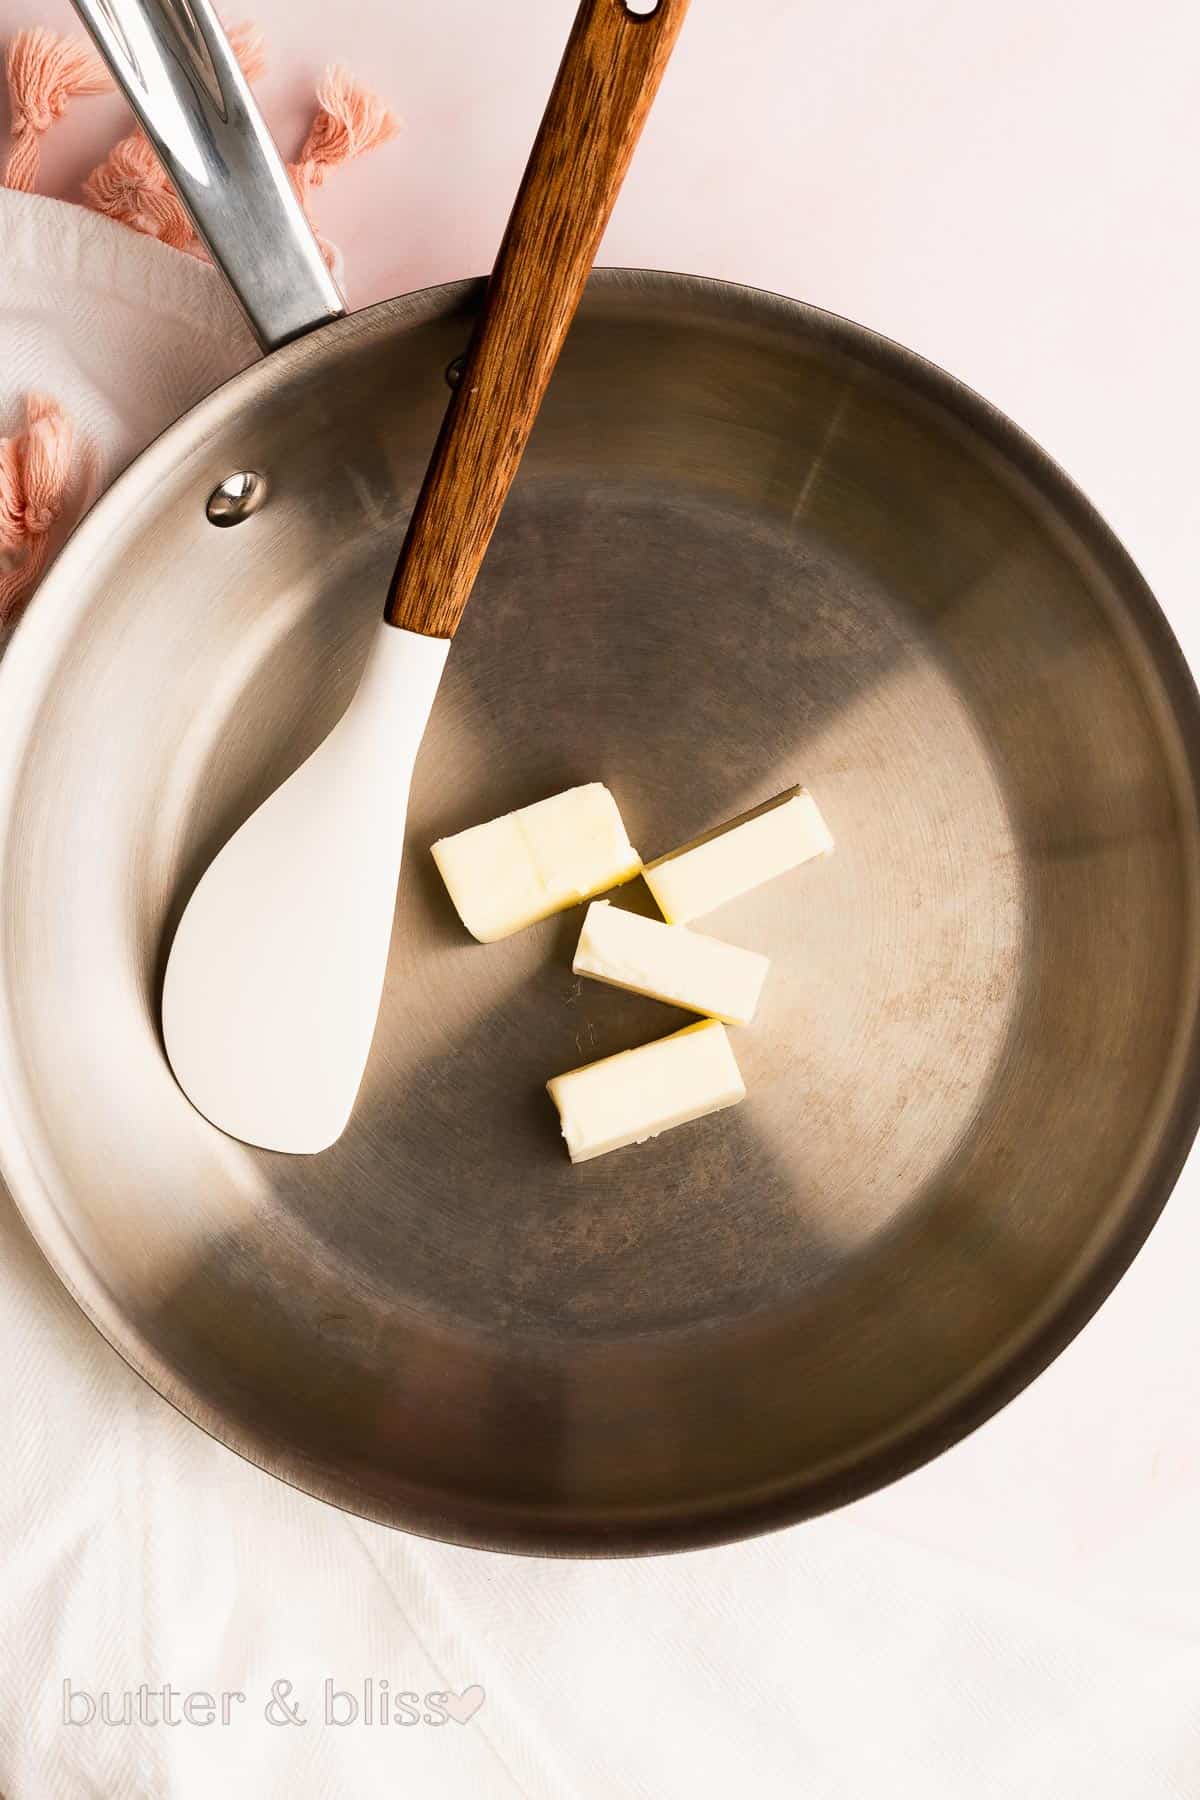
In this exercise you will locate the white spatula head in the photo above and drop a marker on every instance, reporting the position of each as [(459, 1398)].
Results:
[(274, 977)]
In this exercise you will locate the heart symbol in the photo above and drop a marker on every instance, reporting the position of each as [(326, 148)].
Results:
[(464, 1706)]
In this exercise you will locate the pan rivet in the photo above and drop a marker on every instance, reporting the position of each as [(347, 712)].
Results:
[(454, 370), (235, 498)]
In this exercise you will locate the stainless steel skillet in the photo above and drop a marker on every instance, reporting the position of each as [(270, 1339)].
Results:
[(751, 544)]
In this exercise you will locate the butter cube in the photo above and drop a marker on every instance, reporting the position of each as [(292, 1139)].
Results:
[(669, 963), (520, 868), (628, 1098), (751, 849)]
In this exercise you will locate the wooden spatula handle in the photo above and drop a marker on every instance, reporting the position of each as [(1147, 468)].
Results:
[(609, 75)]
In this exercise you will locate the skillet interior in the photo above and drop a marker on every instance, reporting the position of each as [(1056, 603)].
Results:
[(751, 544)]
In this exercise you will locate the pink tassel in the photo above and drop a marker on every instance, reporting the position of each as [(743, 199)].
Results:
[(250, 48), (35, 467), (350, 120), (131, 184), (44, 72)]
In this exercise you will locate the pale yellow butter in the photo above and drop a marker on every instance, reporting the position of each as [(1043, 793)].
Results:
[(670, 963), (628, 1098), (520, 868), (751, 849)]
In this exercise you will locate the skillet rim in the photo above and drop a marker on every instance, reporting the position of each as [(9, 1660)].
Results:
[(47, 627)]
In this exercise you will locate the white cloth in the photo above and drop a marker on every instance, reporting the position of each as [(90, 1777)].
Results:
[(1018, 1621)]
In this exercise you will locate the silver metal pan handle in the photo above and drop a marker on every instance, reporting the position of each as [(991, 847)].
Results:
[(175, 66)]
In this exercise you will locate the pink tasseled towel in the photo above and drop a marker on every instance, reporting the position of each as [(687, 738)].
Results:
[(45, 71)]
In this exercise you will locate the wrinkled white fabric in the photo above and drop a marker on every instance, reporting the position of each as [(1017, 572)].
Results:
[(1019, 1621)]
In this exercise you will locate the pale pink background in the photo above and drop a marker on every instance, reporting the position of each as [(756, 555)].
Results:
[(1011, 189)]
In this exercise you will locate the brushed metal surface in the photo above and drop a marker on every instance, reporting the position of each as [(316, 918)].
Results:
[(174, 64), (751, 545)]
